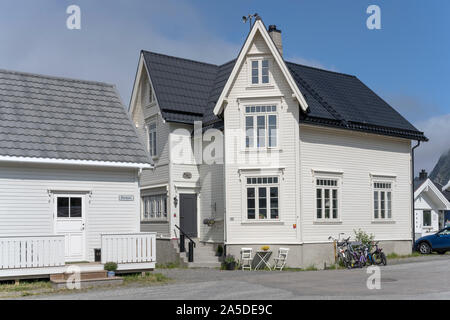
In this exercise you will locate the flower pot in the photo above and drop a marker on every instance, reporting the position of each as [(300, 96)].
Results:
[(111, 274), (231, 265)]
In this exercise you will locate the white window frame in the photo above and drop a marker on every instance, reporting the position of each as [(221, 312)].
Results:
[(151, 203), (256, 186), (331, 187), (260, 69), (151, 94), (431, 219), (385, 190), (152, 143), (266, 114)]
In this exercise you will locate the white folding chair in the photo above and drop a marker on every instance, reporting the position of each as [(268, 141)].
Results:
[(280, 261), (246, 258)]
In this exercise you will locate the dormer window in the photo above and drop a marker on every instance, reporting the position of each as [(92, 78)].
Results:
[(151, 95), (152, 139), (260, 71)]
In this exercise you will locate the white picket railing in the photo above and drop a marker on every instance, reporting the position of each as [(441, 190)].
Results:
[(31, 251), (129, 247)]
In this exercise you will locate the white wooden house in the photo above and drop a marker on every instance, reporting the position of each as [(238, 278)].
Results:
[(430, 205), (70, 160), (307, 153)]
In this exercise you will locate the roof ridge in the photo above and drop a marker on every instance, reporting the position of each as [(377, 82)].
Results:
[(45, 76), (179, 58), (320, 69)]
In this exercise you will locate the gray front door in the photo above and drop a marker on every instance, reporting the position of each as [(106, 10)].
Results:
[(188, 213)]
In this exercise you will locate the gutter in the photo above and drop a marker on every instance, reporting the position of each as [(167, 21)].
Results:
[(76, 162), (413, 213)]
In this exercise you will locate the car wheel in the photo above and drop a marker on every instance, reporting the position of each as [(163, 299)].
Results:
[(424, 248)]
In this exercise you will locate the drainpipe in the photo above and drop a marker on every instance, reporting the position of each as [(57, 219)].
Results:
[(413, 214)]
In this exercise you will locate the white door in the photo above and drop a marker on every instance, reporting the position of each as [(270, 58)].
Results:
[(70, 221)]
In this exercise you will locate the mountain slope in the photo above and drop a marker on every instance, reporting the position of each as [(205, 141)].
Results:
[(441, 172)]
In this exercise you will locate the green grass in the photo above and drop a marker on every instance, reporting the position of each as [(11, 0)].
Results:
[(24, 285), (394, 255), (149, 278)]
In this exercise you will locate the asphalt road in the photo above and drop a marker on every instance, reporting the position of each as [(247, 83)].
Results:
[(422, 279)]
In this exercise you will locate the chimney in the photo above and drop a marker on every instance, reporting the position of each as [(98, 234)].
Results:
[(275, 34), (423, 175)]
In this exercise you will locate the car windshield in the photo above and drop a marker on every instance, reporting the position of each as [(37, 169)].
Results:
[(444, 232)]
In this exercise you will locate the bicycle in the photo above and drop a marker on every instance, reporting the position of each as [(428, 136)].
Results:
[(341, 250), (378, 255)]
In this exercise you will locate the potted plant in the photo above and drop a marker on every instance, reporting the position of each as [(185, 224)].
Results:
[(219, 250), (229, 262), (111, 267)]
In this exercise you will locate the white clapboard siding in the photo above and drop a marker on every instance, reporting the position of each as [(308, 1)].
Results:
[(212, 201), (356, 156), (31, 252), (283, 231), (143, 113), (26, 201), (128, 247)]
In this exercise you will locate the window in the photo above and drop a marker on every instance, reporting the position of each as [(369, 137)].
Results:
[(261, 124), (69, 207), (382, 200), (152, 139), (260, 71), (327, 207), (151, 95), (426, 218), (262, 198), (154, 207)]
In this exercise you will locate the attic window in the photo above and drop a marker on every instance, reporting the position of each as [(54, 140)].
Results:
[(151, 96), (260, 71)]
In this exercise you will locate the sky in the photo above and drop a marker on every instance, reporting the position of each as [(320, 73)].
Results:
[(406, 62)]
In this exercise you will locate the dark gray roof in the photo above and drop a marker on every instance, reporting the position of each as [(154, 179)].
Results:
[(446, 193), (187, 91), (58, 118)]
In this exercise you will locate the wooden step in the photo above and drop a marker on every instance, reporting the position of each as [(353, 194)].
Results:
[(85, 283), (83, 275)]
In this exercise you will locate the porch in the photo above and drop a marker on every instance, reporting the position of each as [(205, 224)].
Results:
[(24, 257)]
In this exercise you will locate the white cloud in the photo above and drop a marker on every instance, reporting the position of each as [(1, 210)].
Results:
[(437, 129)]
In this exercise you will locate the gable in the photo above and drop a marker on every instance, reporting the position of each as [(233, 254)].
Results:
[(431, 194), (258, 40)]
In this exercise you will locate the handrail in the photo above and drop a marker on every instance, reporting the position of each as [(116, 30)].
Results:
[(181, 231)]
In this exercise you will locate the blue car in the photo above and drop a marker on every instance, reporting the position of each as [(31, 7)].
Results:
[(438, 242)]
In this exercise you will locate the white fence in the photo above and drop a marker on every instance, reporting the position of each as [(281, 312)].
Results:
[(129, 247), (31, 252)]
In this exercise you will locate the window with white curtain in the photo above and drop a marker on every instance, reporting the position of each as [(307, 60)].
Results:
[(382, 200), (262, 198), (327, 199), (154, 207), (261, 126)]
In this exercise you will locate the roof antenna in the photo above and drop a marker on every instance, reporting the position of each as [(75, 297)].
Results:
[(250, 18)]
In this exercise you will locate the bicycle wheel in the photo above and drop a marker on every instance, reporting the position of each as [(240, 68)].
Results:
[(383, 258)]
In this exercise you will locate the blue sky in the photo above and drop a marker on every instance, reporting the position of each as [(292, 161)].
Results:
[(406, 62)]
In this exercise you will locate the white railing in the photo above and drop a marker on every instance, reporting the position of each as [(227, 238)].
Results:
[(129, 247), (31, 251)]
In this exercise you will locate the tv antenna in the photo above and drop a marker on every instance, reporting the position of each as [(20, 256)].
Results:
[(250, 18)]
